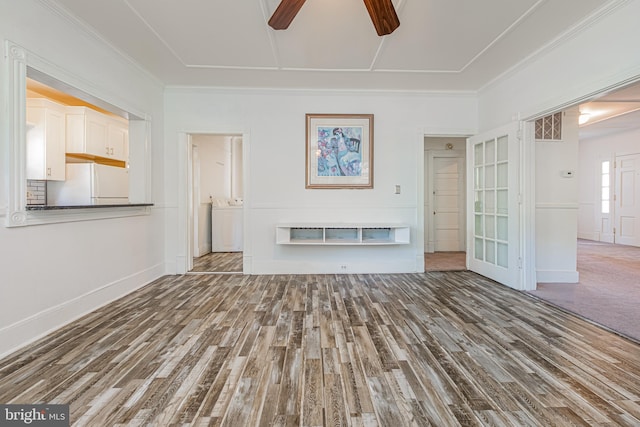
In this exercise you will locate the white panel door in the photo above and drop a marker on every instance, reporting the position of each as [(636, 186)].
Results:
[(448, 203), (627, 200), (493, 210)]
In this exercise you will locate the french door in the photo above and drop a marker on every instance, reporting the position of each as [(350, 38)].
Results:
[(493, 211)]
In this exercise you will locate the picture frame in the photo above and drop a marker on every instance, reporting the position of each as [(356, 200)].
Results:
[(339, 151)]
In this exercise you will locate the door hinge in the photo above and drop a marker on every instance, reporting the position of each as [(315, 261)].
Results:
[(520, 263)]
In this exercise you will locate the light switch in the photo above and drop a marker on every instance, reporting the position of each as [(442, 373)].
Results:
[(397, 189)]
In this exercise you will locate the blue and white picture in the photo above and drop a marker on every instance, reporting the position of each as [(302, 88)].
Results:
[(339, 151)]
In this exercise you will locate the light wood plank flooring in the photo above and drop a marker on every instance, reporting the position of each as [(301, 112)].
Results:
[(445, 261), (441, 349), (218, 262)]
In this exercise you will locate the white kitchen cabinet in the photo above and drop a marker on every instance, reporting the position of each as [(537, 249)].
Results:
[(92, 133), (226, 229), (45, 140), (118, 139)]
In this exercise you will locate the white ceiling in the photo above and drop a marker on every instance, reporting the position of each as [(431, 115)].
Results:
[(440, 44)]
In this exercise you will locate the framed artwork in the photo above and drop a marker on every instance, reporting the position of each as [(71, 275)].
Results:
[(339, 151)]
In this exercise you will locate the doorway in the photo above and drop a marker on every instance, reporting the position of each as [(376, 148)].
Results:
[(217, 203), (445, 207), (568, 206)]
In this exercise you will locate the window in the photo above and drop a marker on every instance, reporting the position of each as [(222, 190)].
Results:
[(605, 197)]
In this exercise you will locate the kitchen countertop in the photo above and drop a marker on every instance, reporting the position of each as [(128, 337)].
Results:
[(53, 208)]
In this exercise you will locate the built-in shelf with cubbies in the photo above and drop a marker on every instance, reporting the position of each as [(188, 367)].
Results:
[(342, 234)]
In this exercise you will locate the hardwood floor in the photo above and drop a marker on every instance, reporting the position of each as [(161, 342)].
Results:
[(445, 261), (218, 262), (441, 349)]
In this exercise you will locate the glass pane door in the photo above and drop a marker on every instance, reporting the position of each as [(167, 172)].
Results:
[(491, 231), (495, 210)]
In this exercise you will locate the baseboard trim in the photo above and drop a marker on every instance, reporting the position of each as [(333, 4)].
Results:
[(589, 236), (28, 330), (557, 276), (289, 267)]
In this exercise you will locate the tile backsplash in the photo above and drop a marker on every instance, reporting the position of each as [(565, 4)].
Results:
[(36, 192)]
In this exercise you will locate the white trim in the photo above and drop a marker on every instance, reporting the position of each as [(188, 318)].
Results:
[(266, 267), (191, 219), (419, 231), (16, 112), (527, 206), (591, 235), (559, 206), (235, 90), (557, 276)]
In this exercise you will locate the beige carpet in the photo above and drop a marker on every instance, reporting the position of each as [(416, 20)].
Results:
[(608, 292)]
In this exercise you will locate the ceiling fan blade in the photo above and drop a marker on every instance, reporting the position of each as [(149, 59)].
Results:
[(284, 14), (383, 15)]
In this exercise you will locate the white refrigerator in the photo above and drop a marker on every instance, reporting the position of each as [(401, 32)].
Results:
[(90, 184)]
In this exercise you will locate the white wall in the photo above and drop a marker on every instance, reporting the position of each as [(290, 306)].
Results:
[(215, 166), (274, 122), (557, 204), (592, 152), (54, 273), (204, 229)]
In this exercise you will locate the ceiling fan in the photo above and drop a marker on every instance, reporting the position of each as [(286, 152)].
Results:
[(382, 13)]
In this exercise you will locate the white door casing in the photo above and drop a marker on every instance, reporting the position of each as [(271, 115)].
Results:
[(493, 213), (627, 200), (184, 256), (195, 199)]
